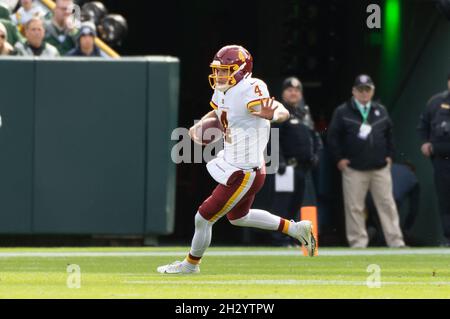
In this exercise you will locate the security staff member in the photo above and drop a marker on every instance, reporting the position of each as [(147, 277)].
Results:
[(360, 138), (299, 147), (434, 130)]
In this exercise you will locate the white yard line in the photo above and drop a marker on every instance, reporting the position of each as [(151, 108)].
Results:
[(283, 282), (296, 252)]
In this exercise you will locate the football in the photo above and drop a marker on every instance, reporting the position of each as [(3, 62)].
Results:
[(208, 131)]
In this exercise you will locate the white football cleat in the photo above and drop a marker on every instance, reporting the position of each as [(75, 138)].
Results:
[(177, 267), (305, 236)]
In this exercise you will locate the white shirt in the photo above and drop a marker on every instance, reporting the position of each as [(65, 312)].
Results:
[(246, 135), (22, 17)]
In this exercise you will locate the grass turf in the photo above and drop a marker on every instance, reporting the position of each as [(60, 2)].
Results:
[(225, 273)]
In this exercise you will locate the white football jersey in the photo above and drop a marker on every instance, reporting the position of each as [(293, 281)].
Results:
[(246, 135)]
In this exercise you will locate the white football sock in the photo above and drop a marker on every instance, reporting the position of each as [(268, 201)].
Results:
[(258, 218), (201, 239)]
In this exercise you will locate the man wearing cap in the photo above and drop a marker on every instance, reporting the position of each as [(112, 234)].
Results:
[(434, 130), (86, 42), (360, 138), (299, 146)]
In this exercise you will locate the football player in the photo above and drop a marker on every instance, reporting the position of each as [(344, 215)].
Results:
[(244, 107)]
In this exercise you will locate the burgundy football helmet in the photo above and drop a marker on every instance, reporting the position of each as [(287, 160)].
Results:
[(230, 65)]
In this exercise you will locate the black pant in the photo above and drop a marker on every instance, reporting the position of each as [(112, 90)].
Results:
[(441, 167), (287, 204)]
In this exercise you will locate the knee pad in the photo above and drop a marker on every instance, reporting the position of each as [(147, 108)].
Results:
[(240, 221), (200, 222)]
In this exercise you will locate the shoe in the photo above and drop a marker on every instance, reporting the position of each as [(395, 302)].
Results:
[(305, 236), (177, 267)]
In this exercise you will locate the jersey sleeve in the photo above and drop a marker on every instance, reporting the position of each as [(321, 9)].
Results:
[(214, 103), (256, 91)]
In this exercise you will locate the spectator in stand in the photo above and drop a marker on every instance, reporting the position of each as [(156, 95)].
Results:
[(4, 12), (5, 47), (35, 45), (86, 42), (13, 35), (60, 30), (27, 10)]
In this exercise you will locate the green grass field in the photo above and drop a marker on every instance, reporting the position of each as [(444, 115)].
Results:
[(225, 273)]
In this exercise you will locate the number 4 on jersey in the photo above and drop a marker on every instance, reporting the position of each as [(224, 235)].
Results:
[(258, 90)]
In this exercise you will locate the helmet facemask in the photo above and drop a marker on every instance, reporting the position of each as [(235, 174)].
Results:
[(222, 76)]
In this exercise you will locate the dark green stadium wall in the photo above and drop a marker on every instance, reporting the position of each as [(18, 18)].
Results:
[(16, 145), (424, 76), (162, 110), (85, 146)]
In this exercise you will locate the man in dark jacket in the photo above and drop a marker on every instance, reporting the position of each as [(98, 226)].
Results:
[(86, 42), (360, 138), (298, 149), (434, 130)]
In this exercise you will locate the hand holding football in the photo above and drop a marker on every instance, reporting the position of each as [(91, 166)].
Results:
[(206, 131)]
